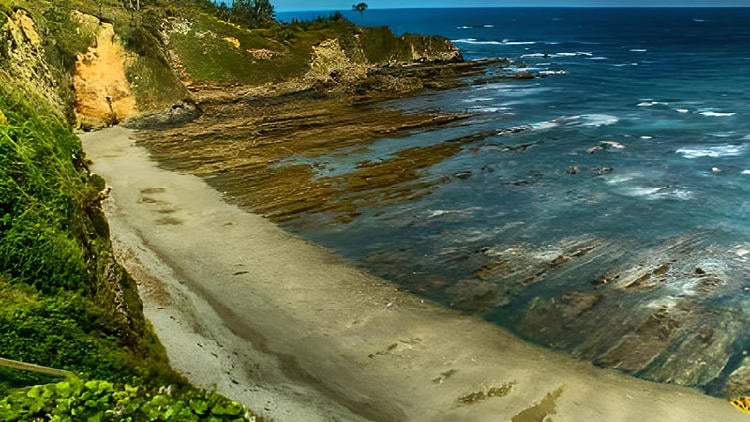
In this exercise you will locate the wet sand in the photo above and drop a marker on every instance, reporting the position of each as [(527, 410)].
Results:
[(295, 333)]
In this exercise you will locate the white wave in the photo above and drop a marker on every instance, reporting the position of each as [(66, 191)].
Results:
[(593, 120), (745, 171), (438, 213), (655, 193), (558, 55), (638, 50), (545, 125), (616, 179), (746, 138), (466, 211), (712, 152), (552, 72), (681, 194), (488, 26), (463, 27), (477, 99), (716, 114), (682, 110), (726, 134), (544, 64), (640, 191), (651, 103), (480, 109), (515, 91), (646, 137), (491, 42), (598, 58)]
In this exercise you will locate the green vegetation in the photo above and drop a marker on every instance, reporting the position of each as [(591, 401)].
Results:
[(105, 401), (251, 13), (213, 50), (360, 7), (58, 278), (64, 301)]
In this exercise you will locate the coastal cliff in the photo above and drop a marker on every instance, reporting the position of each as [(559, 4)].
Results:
[(66, 301)]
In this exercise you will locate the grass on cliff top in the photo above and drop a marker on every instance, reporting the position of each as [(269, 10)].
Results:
[(204, 45), (205, 48)]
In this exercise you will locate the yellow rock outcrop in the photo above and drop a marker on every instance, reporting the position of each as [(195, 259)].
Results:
[(330, 62), (103, 93)]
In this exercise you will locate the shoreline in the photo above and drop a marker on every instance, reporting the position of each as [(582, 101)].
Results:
[(295, 333)]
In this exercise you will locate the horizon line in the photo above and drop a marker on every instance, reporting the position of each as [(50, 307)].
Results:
[(620, 6)]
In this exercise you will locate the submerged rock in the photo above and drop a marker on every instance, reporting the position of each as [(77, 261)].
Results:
[(476, 296), (524, 75), (738, 383)]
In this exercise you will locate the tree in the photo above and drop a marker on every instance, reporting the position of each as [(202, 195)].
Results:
[(263, 11), (360, 7), (251, 12), (133, 6)]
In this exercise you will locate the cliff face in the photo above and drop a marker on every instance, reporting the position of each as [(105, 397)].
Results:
[(24, 57), (300, 55), (113, 78), (371, 48), (103, 94)]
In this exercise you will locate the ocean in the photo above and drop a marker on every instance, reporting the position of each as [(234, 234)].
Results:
[(617, 218)]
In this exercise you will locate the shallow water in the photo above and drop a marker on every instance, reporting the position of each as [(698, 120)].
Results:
[(637, 156)]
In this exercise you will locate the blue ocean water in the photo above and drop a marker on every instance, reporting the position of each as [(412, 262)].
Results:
[(663, 93)]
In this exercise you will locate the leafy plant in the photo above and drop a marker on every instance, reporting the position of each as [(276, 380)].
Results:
[(97, 400)]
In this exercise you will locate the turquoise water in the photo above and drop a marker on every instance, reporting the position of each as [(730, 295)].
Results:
[(664, 95)]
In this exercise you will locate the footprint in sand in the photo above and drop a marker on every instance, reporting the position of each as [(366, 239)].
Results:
[(166, 209)]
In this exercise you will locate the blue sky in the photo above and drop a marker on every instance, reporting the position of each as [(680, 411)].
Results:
[(290, 5)]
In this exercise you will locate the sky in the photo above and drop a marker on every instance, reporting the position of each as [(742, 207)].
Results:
[(292, 5)]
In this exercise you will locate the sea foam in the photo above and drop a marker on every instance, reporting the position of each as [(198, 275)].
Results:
[(592, 120), (715, 114), (711, 152), (475, 41)]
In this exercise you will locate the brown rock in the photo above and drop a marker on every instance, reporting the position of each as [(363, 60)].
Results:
[(524, 75)]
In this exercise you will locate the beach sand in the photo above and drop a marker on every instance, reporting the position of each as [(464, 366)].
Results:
[(297, 334)]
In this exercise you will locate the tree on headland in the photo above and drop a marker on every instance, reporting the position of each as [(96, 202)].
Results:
[(249, 12), (360, 7)]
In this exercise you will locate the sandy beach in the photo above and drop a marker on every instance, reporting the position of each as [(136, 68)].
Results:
[(297, 334)]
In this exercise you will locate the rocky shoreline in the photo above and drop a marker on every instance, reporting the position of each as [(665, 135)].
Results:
[(259, 148), (261, 127), (286, 327)]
